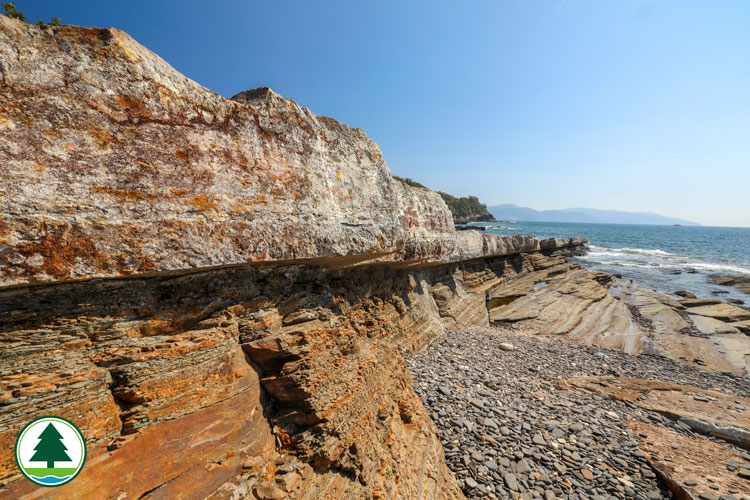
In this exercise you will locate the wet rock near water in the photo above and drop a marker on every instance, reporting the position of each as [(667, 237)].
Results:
[(740, 282)]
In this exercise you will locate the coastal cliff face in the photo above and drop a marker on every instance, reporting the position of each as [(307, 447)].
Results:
[(218, 292), (268, 378), (115, 164)]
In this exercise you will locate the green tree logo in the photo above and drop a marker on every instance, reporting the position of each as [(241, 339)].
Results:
[(50, 451), (50, 448)]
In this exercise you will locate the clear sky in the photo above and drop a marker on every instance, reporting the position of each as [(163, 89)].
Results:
[(633, 105)]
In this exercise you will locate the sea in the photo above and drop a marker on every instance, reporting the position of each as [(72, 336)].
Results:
[(664, 258)]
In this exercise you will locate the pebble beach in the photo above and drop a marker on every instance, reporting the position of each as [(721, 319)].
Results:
[(511, 428)]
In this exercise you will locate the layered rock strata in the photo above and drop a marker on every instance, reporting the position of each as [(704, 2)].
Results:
[(218, 292), (570, 302), (237, 377), (699, 459), (741, 282)]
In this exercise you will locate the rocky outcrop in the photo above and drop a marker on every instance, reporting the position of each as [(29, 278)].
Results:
[(688, 465), (708, 412), (567, 301), (218, 292), (115, 164), (741, 282), (281, 367), (698, 459)]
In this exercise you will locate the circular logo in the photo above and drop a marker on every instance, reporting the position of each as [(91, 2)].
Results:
[(50, 451)]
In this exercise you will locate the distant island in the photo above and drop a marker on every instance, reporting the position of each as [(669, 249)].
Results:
[(464, 209), (592, 215)]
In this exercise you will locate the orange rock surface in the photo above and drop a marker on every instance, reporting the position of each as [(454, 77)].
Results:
[(218, 292)]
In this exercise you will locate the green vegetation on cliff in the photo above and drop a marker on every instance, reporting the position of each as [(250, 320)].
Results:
[(10, 11), (468, 208)]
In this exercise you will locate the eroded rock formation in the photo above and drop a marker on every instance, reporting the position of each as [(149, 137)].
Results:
[(115, 164), (218, 292), (570, 302), (686, 464), (278, 367), (741, 282)]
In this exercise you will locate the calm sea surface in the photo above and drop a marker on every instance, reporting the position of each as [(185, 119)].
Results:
[(665, 258)]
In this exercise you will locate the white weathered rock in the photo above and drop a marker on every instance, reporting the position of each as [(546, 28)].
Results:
[(115, 164)]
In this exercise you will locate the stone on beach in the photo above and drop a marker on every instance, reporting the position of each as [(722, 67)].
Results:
[(592, 452)]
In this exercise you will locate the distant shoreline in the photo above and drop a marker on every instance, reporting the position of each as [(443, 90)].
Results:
[(580, 215), (695, 226)]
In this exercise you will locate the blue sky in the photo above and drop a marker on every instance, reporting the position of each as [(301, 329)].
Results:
[(632, 105)]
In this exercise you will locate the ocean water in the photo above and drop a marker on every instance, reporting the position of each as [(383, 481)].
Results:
[(665, 258)]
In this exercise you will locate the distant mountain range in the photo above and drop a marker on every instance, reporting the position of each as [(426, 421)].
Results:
[(514, 212)]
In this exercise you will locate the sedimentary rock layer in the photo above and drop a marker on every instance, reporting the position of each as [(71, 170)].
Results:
[(707, 412), (287, 370), (741, 282), (184, 276), (568, 301)]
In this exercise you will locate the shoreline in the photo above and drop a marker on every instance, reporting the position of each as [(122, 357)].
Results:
[(729, 287), (663, 258), (568, 301)]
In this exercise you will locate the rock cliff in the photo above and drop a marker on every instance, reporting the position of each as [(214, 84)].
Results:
[(116, 164), (218, 292)]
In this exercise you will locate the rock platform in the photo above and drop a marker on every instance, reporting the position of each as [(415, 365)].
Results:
[(546, 419), (569, 302)]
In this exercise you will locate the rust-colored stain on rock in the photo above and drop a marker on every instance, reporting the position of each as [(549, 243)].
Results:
[(218, 292)]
